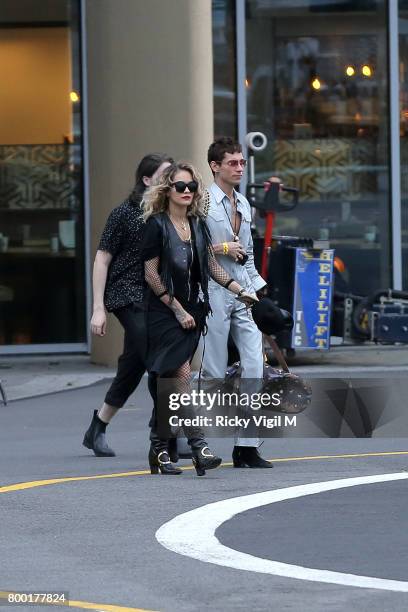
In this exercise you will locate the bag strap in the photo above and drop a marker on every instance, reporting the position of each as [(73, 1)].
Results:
[(205, 203), (278, 353)]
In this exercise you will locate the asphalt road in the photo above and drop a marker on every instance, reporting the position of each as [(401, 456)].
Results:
[(95, 538)]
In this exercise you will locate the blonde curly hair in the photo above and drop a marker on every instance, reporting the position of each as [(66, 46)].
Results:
[(156, 197)]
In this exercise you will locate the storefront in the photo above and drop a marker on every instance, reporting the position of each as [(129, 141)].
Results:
[(325, 80), (320, 80), (42, 229)]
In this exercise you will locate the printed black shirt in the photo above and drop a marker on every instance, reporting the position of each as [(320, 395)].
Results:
[(121, 238)]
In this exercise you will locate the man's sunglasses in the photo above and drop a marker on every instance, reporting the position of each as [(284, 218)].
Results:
[(180, 186), (234, 163)]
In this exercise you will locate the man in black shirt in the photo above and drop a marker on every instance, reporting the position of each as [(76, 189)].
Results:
[(118, 288)]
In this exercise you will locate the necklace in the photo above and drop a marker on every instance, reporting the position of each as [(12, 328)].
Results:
[(185, 227), (233, 227)]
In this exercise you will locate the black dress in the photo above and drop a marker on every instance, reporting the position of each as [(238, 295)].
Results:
[(169, 344)]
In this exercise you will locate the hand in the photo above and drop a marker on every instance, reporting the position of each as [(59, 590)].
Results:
[(98, 322), (248, 298), (235, 250), (186, 320), (273, 179)]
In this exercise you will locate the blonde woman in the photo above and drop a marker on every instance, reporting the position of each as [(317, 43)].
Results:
[(178, 261)]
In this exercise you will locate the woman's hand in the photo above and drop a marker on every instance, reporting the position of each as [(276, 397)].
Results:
[(185, 319), (98, 322)]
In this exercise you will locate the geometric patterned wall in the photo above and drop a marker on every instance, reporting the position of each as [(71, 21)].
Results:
[(40, 176), (328, 168)]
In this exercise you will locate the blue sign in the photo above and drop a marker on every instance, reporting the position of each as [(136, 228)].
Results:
[(312, 298)]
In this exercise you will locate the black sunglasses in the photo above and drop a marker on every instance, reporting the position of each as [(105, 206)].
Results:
[(180, 186)]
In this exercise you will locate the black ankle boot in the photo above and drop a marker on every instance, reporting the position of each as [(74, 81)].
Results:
[(203, 459), (243, 456), (159, 460), (173, 450), (95, 438), (236, 458)]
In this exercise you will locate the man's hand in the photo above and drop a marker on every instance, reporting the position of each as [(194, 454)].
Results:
[(98, 322), (235, 250)]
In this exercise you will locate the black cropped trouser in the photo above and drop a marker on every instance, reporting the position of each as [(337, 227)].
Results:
[(132, 362)]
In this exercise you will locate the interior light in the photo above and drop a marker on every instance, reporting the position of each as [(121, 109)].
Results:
[(316, 84), (350, 71), (366, 70), (74, 96)]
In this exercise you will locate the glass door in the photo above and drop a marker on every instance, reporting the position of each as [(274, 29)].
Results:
[(42, 258), (403, 91), (317, 86)]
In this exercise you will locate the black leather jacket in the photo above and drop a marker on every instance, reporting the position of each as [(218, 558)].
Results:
[(201, 239)]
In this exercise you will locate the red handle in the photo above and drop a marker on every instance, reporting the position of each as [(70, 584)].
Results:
[(270, 219)]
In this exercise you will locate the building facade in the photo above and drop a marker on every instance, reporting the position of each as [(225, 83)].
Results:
[(92, 85)]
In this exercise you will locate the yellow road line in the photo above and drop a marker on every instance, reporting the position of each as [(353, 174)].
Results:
[(357, 455), (42, 483), (85, 605)]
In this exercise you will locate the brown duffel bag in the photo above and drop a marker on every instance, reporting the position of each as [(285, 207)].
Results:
[(295, 393)]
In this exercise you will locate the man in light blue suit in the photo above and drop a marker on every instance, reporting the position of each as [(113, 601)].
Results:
[(229, 221)]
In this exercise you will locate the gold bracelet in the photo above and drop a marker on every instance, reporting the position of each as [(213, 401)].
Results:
[(225, 248)]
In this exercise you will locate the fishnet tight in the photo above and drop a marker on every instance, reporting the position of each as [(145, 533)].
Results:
[(152, 276), (181, 379)]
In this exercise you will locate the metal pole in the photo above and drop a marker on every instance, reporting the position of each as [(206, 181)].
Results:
[(85, 162), (241, 79), (393, 58)]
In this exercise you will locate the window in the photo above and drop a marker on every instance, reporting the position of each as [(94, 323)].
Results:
[(42, 269)]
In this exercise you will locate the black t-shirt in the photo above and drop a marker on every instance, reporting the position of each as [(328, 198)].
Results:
[(121, 238)]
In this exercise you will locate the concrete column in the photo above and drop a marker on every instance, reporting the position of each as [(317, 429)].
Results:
[(150, 88)]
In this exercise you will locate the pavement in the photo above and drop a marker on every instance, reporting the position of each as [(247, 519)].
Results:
[(24, 377)]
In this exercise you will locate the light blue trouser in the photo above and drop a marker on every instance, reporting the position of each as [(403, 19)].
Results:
[(230, 315)]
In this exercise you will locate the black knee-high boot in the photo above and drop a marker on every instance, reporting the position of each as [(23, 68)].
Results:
[(159, 458), (203, 458)]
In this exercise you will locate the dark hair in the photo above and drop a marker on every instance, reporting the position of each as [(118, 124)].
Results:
[(147, 167), (220, 147)]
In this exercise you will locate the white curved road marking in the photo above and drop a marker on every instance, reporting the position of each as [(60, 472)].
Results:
[(193, 534)]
